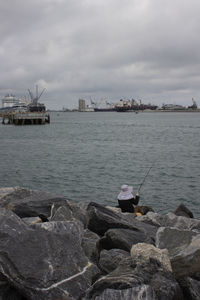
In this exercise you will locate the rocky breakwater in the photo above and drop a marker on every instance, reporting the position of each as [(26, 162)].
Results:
[(52, 249)]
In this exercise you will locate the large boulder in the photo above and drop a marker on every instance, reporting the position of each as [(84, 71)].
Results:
[(184, 250), (90, 245), (101, 219), (173, 239), (8, 190), (123, 238), (46, 260), (170, 220), (190, 287), (110, 259), (136, 271), (186, 262), (7, 292), (148, 252), (183, 211), (62, 213), (70, 211), (151, 218), (144, 292), (31, 203)]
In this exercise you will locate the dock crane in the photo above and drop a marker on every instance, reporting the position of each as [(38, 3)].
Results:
[(194, 104), (35, 105), (35, 99)]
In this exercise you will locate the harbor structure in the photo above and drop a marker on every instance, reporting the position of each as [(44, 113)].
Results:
[(33, 113), (81, 105), (26, 118), (194, 104), (173, 107), (178, 107)]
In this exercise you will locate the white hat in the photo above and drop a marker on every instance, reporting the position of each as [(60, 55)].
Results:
[(126, 192)]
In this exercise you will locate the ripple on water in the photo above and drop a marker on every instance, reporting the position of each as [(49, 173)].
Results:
[(87, 157)]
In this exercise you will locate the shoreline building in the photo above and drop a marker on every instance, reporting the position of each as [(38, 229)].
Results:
[(81, 105)]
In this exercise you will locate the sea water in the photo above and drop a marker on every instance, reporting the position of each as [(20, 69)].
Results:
[(88, 156)]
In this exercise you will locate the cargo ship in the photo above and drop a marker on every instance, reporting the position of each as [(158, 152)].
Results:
[(98, 109), (133, 105)]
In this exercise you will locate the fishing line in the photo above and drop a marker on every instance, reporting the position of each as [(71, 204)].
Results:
[(145, 178)]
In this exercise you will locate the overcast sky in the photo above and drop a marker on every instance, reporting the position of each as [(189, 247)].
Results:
[(103, 49)]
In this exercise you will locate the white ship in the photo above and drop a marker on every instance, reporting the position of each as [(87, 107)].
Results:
[(9, 101)]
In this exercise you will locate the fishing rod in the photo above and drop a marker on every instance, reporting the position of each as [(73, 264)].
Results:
[(145, 177), (148, 174)]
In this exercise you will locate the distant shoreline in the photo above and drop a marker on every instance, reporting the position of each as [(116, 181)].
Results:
[(174, 110), (133, 111), (130, 111)]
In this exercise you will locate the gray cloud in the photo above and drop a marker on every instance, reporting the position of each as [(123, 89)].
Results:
[(101, 48)]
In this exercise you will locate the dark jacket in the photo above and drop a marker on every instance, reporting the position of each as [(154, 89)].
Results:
[(128, 205)]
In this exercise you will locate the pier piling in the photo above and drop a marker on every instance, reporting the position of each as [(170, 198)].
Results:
[(26, 118)]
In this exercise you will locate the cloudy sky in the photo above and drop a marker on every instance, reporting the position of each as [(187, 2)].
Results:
[(101, 49)]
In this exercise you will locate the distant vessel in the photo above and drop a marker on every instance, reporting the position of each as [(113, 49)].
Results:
[(104, 109), (99, 108), (133, 105), (10, 101)]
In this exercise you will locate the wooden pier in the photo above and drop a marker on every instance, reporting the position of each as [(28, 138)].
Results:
[(26, 118)]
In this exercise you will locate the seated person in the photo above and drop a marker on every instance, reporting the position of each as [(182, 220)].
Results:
[(126, 199)]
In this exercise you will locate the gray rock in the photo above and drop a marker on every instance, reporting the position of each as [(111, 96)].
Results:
[(151, 218), (9, 293), (147, 252), (184, 250), (137, 271), (30, 203), (170, 220), (144, 292), (70, 211), (101, 219), (7, 190), (190, 287), (114, 209), (173, 239), (32, 220), (183, 211), (63, 213), (110, 259), (123, 238), (186, 262), (45, 261), (90, 245)]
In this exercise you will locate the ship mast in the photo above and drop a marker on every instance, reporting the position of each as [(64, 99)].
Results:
[(35, 99)]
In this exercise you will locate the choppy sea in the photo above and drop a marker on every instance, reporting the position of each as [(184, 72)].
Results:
[(88, 156)]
